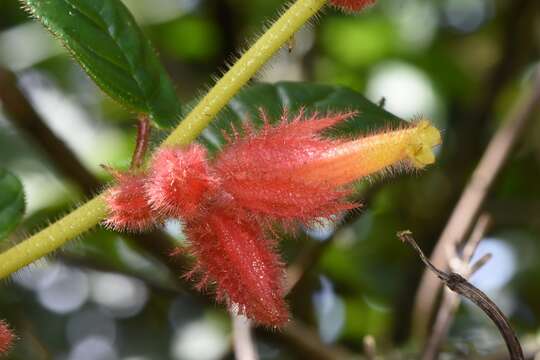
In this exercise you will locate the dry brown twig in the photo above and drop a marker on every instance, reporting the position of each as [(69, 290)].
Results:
[(460, 263), (474, 195), (460, 285)]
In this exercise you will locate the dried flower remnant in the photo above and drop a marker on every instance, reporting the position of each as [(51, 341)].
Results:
[(289, 173), (352, 5), (6, 337)]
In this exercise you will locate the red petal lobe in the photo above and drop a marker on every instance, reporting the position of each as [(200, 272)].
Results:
[(232, 252)]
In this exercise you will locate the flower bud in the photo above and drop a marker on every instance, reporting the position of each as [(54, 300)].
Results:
[(129, 209)]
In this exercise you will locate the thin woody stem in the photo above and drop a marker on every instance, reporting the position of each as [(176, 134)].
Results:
[(460, 285), (91, 213)]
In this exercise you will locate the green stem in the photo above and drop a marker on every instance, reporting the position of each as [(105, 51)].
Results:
[(91, 213), (282, 30)]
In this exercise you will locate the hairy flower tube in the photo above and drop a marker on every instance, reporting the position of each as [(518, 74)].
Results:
[(287, 173), (352, 5), (6, 337)]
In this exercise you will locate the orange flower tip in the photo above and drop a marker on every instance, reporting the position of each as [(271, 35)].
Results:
[(128, 207), (179, 181), (425, 138), (352, 6), (6, 337)]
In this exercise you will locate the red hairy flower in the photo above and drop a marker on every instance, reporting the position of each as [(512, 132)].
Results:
[(179, 180), (233, 253), (6, 337), (287, 172), (259, 170), (129, 209), (352, 5)]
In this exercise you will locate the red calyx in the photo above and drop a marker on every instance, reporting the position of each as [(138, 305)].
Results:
[(129, 209)]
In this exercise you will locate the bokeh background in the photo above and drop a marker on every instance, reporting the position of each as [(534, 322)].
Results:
[(461, 63)]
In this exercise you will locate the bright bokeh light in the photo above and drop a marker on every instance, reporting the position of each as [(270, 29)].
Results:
[(120, 295), (498, 271), (199, 340), (37, 276), (38, 46), (407, 91), (90, 322), (322, 229), (93, 348), (416, 20), (330, 311), (467, 15), (67, 291)]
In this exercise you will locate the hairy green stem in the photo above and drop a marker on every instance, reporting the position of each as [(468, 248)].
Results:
[(91, 213)]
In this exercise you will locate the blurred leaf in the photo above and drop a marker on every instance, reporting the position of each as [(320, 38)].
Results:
[(191, 38), (105, 39), (358, 41), (293, 96), (11, 202)]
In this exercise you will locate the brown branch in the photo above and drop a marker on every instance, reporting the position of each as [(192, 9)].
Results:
[(460, 285), (475, 193), (531, 349), (22, 115), (450, 301), (518, 19)]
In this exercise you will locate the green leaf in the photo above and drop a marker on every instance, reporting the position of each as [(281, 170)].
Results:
[(293, 96), (11, 202), (104, 38)]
